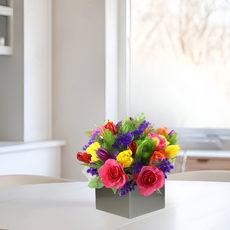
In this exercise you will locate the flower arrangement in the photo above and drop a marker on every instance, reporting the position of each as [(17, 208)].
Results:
[(129, 154)]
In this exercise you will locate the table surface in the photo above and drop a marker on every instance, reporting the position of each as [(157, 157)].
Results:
[(66, 206)]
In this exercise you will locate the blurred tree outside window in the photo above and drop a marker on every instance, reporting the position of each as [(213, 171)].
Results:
[(180, 62)]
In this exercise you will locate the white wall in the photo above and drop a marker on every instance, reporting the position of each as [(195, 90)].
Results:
[(78, 76)]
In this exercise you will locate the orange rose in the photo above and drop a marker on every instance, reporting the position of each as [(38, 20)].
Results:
[(162, 131), (156, 155)]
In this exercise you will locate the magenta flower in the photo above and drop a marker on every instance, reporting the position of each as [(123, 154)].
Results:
[(150, 179), (112, 174), (160, 141)]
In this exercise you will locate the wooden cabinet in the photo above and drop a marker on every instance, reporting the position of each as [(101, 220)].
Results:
[(207, 163), (202, 160)]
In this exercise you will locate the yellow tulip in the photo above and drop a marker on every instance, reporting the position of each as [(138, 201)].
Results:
[(125, 158), (92, 150), (171, 151)]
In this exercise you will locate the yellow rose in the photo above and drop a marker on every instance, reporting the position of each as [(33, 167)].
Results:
[(92, 150), (171, 151), (125, 158), (167, 142)]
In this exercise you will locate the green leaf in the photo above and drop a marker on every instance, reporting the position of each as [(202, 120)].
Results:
[(172, 160), (158, 191), (95, 183), (100, 185), (88, 133), (126, 129), (100, 163), (114, 190), (137, 156), (173, 140)]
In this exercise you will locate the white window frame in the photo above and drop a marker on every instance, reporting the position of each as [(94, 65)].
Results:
[(118, 80), (117, 70)]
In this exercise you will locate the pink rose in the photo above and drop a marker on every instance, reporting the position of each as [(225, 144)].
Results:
[(162, 141), (112, 174), (150, 179)]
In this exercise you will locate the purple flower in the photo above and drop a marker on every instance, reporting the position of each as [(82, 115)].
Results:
[(118, 123), (127, 187), (103, 154), (165, 166), (139, 167), (115, 154), (142, 127), (131, 119), (93, 171), (136, 168), (123, 139)]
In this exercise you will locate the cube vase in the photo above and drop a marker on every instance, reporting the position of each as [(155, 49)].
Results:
[(131, 205)]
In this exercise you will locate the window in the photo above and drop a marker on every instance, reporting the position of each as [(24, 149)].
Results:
[(180, 62), (175, 67), (180, 68)]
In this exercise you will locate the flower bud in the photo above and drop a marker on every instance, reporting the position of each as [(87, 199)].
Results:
[(133, 148), (162, 131), (103, 154), (170, 134), (110, 125), (84, 157)]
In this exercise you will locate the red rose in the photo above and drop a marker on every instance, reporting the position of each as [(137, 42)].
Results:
[(110, 125), (150, 179), (133, 148), (112, 174), (84, 157)]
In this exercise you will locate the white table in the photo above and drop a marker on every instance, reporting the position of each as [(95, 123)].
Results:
[(71, 206)]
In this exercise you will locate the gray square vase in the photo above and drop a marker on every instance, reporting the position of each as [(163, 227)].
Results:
[(131, 205)]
